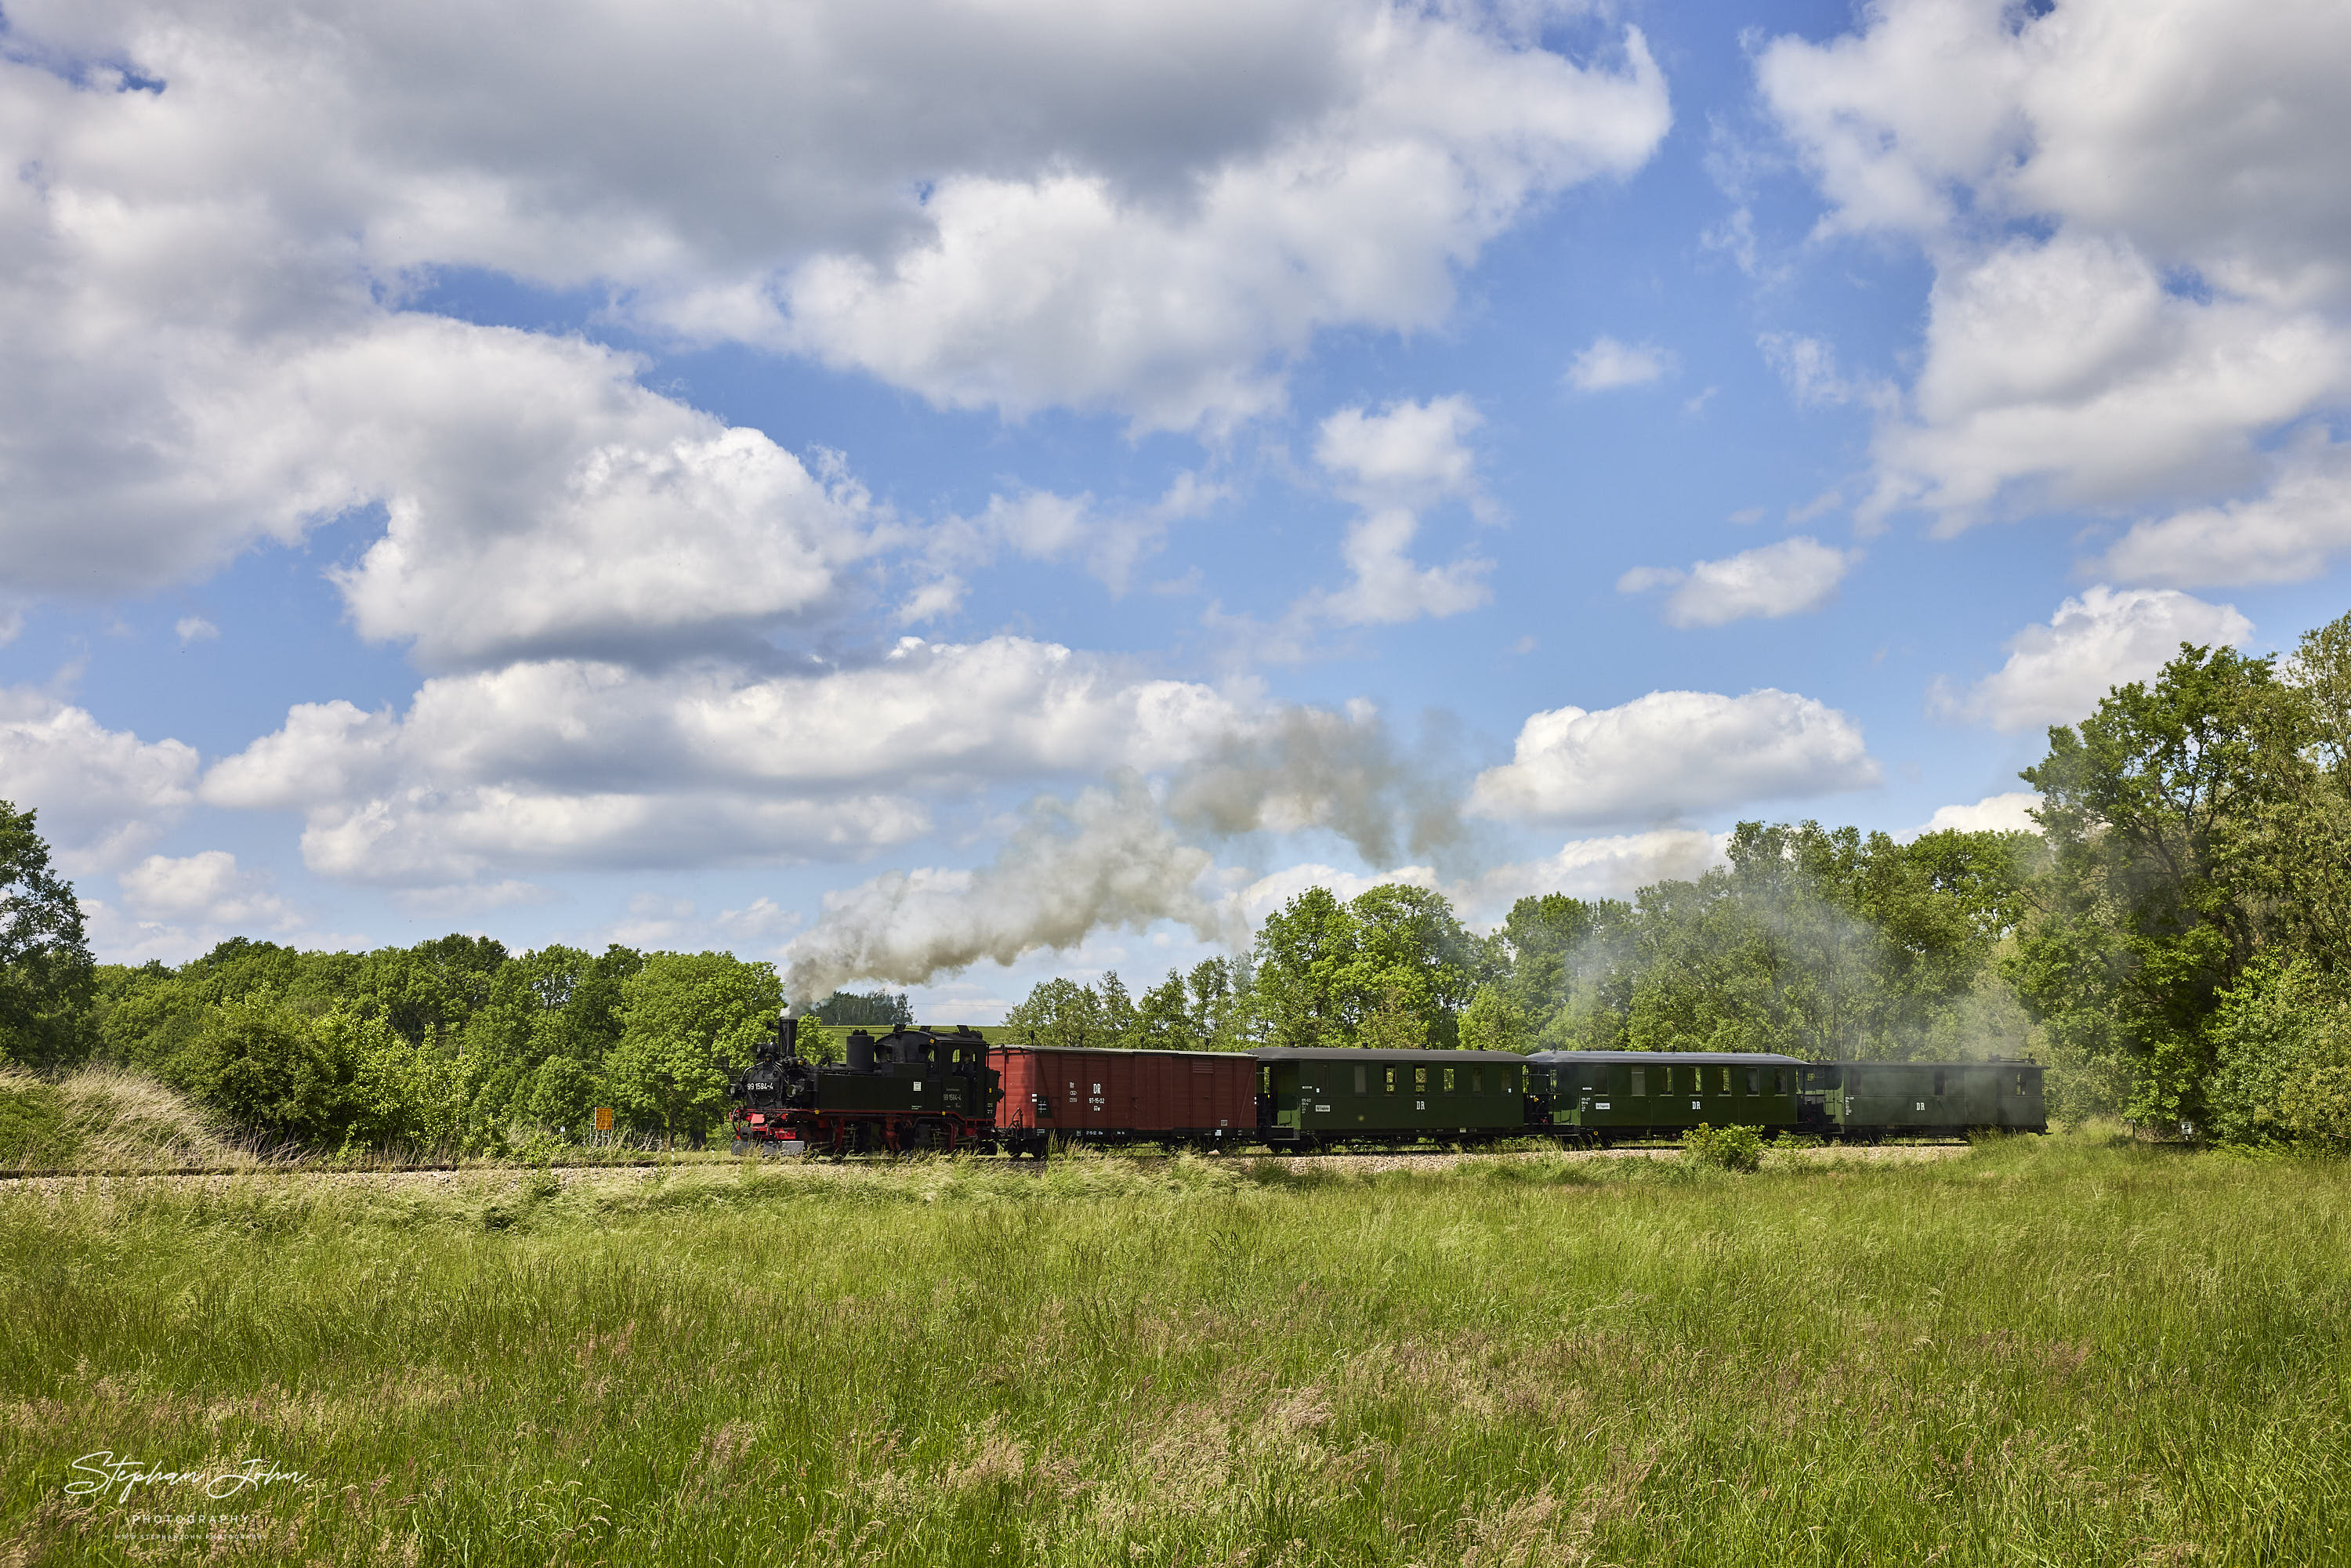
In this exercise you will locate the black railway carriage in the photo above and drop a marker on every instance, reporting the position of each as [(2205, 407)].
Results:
[(1308, 1098), (1601, 1097)]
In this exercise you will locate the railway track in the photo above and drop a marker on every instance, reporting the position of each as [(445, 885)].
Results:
[(1339, 1158)]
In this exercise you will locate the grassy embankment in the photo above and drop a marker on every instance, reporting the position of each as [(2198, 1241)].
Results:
[(100, 1120), (105, 1120), (2062, 1352)]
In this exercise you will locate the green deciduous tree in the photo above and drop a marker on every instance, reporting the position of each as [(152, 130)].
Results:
[(811, 1039), (1412, 953), (562, 1097), (1163, 1019), (888, 1009), (685, 1020), (47, 979), (1305, 958), (1492, 1021), (1059, 1012), (2155, 808), (2281, 1048)]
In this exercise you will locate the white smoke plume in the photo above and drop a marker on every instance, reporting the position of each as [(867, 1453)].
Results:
[(1107, 859), (1312, 768)]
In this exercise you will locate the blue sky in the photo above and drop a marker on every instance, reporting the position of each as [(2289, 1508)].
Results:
[(896, 489)]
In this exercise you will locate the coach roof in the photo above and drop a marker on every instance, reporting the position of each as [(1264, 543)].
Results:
[(1348, 1053), (1696, 1058)]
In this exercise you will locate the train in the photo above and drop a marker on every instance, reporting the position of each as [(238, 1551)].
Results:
[(944, 1091)]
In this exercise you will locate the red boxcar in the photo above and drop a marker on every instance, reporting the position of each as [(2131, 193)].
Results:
[(1204, 1098)]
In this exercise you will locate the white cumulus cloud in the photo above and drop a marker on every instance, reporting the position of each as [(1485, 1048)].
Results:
[(102, 794), (216, 295), (1060, 287), (1394, 465), (205, 890), (1614, 867), (2139, 229), (2287, 533), (2011, 812), (1789, 578), (561, 763), (1672, 753), (2056, 673), (1607, 364)]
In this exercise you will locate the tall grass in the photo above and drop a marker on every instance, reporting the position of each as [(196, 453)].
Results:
[(102, 1118), (2061, 1351)]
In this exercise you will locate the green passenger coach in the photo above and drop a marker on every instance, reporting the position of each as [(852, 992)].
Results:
[(1599, 1096), (1308, 1098), (1872, 1100)]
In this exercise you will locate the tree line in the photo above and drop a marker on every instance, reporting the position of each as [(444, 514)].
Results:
[(2175, 944), (2172, 944)]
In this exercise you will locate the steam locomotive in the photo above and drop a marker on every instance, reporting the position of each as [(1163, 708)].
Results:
[(942, 1090), (911, 1091)]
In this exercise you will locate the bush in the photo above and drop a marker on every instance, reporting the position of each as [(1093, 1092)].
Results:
[(2282, 1039), (261, 1065), (1725, 1149)]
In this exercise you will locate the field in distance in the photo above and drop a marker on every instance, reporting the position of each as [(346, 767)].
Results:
[(2071, 1350)]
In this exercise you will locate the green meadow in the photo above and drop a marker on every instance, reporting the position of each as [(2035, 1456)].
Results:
[(2065, 1351)]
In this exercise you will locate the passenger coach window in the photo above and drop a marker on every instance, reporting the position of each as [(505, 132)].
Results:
[(1938, 1081), (1420, 1079), (1478, 1081), (1449, 1080), (1361, 1078), (1640, 1080), (1726, 1081), (1755, 1081), (1390, 1071)]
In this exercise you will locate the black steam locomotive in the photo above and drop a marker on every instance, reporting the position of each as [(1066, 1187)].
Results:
[(913, 1090)]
